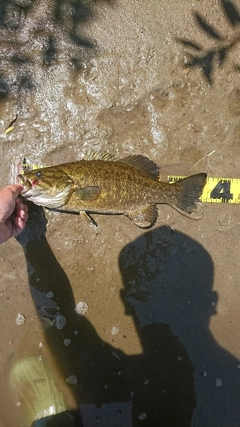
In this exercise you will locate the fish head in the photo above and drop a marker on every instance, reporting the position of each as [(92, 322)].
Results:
[(49, 187)]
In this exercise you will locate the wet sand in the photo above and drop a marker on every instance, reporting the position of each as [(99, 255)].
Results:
[(158, 340)]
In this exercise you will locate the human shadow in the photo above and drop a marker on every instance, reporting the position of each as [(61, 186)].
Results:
[(167, 281), (208, 59), (113, 389)]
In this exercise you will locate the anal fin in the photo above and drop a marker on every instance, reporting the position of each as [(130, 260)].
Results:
[(144, 217)]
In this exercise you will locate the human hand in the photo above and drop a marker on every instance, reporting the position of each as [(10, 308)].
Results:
[(13, 213)]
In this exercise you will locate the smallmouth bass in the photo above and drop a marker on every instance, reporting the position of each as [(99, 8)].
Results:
[(105, 185)]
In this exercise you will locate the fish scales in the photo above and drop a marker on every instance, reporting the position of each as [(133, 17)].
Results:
[(128, 186), (123, 187)]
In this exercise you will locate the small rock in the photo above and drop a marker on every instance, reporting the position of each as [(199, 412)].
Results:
[(60, 321), (114, 330), (20, 319), (72, 379), (82, 308), (186, 70), (50, 294), (142, 416), (218, 382)]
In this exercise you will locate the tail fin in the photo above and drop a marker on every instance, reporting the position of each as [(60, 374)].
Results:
[(188, 192)]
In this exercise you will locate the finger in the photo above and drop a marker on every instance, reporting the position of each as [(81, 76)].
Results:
[(21, 213), (21, 206), (19, 225), (15, 189)]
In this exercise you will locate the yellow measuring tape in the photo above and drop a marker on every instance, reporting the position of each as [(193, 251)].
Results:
[(216, 190)]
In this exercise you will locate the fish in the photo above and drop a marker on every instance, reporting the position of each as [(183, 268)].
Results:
[(103, 184)]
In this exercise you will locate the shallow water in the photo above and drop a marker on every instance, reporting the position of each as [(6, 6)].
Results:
[(156, 338)]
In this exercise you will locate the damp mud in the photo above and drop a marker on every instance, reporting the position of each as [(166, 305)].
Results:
[(131, 327)]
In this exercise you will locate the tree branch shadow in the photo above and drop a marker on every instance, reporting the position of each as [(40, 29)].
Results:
[(210, 59), (43, 33)]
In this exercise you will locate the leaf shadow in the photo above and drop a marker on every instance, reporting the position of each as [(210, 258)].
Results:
[(210, 59), (41, 34)]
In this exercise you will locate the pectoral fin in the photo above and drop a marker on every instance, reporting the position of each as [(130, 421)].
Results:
[(89, 193), (144, 217)]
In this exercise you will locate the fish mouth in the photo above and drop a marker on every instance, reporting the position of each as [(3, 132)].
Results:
[(43, 197), (27, 184)]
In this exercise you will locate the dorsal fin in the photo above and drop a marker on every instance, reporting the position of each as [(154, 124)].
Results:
[(93, 155), (143, 164)]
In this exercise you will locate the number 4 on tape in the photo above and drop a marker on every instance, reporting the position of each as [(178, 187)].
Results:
[(218, 190), (221, 190)]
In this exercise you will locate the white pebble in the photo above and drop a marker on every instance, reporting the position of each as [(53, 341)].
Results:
[(67, 342), (60, 321), (114, 330), (142, 416), (82, 308), (72, 379), (50, 294), (218, 382), (20, 319)]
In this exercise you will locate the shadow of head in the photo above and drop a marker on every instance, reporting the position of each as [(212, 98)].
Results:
[(167, 278)]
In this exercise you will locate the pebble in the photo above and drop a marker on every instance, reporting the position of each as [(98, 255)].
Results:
[(50, 294), (60, 321), (20, 319), (218, 382), (72, 379), (142, 416), (82, 308), (114, 330)]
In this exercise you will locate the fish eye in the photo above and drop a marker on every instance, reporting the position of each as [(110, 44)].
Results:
[(38, 174)]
